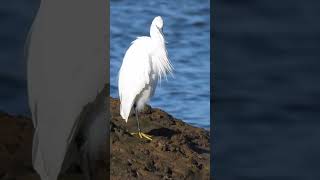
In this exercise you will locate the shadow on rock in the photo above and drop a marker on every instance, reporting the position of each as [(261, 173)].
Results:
[(164, 132)]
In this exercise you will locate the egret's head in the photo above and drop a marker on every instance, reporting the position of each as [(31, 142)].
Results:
[(156, 30), (158, 22)]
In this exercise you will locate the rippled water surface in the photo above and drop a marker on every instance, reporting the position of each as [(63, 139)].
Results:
[(15, 20), (186, 96), (187, 31), (267, 123)]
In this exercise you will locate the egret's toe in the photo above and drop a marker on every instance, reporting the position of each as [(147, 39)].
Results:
[(146, 136), (142, 135)]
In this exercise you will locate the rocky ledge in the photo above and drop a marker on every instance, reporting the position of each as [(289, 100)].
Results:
[(177, 151)]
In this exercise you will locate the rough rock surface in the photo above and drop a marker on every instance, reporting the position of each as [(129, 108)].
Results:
[(177, 151)]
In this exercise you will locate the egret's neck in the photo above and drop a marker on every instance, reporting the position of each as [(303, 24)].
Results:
[(156, 35), (160, 60)]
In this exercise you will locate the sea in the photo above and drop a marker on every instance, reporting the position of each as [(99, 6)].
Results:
[(267, 90), (186, 28), (266, 64), (186, 94)]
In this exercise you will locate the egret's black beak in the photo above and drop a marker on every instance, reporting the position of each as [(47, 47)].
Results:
[(161, 32)]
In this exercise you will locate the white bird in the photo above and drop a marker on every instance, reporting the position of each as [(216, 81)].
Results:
[(145, 62), (66, 75)]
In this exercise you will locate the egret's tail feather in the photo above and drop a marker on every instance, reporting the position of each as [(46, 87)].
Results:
[(125, 109)]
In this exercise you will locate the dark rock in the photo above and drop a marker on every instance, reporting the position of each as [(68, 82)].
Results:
[(150, 166), (177, 151), (170, 153), (167, 170), (129, 162)]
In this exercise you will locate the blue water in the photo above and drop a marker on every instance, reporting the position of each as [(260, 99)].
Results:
[(187, 31), (15, 20), (268, 92)]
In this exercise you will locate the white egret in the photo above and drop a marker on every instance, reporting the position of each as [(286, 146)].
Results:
[(66, 75), (145, 62)]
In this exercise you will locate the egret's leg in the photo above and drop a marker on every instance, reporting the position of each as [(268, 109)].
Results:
[(137, 119), (141, 134)]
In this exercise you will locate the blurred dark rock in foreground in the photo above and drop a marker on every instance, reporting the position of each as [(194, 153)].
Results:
[(16, 134)]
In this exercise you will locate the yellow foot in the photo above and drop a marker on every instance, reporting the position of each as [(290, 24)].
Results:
[(143, 135)]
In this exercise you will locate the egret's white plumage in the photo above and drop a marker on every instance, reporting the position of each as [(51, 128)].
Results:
[(66, 69), (145, 62)]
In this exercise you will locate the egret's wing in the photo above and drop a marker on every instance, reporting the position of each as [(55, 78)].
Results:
[(66, 70), (134, 74)]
